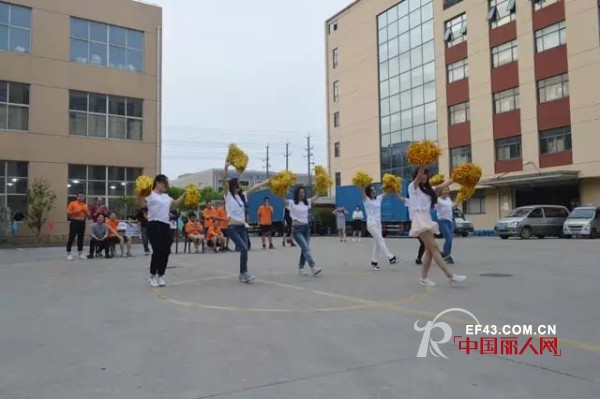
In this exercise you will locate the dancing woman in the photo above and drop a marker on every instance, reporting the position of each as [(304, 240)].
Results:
[(372, 203), (159, 205), (422, 199), (235, 205)]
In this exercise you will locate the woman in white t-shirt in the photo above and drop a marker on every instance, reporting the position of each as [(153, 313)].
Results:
[(422, 198), (299, 208), (235, 205), (357, 223), (372, 203)]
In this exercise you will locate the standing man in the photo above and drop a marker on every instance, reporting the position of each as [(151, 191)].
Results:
[(265, 219), (77, 213)]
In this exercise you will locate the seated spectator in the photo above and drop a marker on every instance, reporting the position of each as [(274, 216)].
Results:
[(115, 237), (99, 240), (194, 230), (215, 236)]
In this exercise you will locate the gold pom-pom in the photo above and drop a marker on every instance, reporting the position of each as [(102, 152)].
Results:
[(437, 180), (280, 184), (467, 175), (322, 180), (424, 153), (391, 184), (237, 158), (362, 180), (465, 194), (192, 198), (143, 186)]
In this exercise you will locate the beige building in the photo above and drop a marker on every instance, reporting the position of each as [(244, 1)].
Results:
[(79, 99), (214, 178), (510, 85)]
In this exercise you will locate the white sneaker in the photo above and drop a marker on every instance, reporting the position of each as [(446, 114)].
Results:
[(153, 282), (457, 278), (353, 240), (82, 257), (316, 270), (302, 272), (70, 257), (427, 282), (161, 281)]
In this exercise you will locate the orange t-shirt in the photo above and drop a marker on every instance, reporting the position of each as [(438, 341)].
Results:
[(78, 210), (214, 231), (114, 225), (265, 214), (222, 213), (193, 228), (208, 214)]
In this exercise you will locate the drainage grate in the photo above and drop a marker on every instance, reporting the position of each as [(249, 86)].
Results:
[(495, 274)]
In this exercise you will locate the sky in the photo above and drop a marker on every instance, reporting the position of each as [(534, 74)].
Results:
[(247, 72)]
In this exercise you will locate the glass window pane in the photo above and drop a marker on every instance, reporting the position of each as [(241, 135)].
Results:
[(404, 42), (415, 37), (392, 15), (403, 9), (416, 57), (429, 72), (405, 100), (418, 115), (417, 76), (97, 125), (414, 4), (385, 125), (98, 32), (383, 51), (3, 38), (405, 81), (382, 20), (407, 135), (78, 123), (415, 18), (98, 54), (117, 127), (427, 29), (17, 169), (135, 107), (117, 36), (393, 47), (97, 103), (430, 112), (403, 25), (17, 202), (405, 62), (384, 107), (18, 93), (4, 13), (383, 35), (97, 173), (395, 85), (116, 188), (134, 129), (3, 117), (20, 40), (406, 117), (18, 118), (79, 51), (428, 52), (20, 16), (395, 122), (2, 182), (117, 57), (419, 133), (135, 39), (392, 30), (79, 28), (116, 173), (77, 172), (395, 104), (417, 96), (429, 92), (427, 12), (383, 71), (394, 67), (78, 101), (116, 105), (384, 89), (135, 60), (97, 188)]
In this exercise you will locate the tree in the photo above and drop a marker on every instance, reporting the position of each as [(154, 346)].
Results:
[(40, 201), (125, 206), (209, 194), (175, 192)]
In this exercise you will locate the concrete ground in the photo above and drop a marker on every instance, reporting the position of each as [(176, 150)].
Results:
[(95, 329)]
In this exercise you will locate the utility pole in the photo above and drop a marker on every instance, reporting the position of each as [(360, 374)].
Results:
[(266, 161), (287, 155), (309, 155)]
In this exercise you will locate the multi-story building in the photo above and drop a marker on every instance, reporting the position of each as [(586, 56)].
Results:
[(79, 99), (511, 85)]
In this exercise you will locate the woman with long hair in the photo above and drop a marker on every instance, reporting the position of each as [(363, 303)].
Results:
[(422, 199), (372, 203), (299, 208), (235, 205), (159, 205)]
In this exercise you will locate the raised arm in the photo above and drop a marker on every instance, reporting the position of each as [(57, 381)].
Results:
[(420, 174), (362, 194), (224, 179), (315, 197), (257, 187), (176, 203), (401, 198), (447, 183)]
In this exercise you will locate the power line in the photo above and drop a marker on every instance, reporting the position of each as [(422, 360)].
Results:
[(266, 161)]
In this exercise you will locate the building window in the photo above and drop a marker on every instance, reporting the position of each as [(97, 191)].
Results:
[(450, 3), (539, 4), (555, 140), (13, 185), (476, 205), (456, 30), (107, 45), (338, 179), (459, 113), (459, 155), (501, 12), (336, 57), (15, 28), (506, 101), (107, 182), (553, 88), (333, 26), (504, 53), (14, 106), (550, 37), (457, 71), (336, 119), (336, 149), (100, 115), (507, 149), (336, 91)]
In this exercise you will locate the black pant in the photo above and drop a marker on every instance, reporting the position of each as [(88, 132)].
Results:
[(76, 229), (159, 235), (97, 246), (145, 238), (421, 250)]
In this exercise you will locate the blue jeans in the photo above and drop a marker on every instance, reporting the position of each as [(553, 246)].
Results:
[(239, 235), (447, 230), (301, 235)]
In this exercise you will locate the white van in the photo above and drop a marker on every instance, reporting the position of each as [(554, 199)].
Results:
[(584, 221)]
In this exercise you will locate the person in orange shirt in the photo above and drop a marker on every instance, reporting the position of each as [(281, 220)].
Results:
[(77, 213), (115, 237), (209, 214), (224, 225), (215, 236), (194, 230), (265, 219)]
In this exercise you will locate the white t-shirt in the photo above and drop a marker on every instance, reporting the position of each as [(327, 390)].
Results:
[(159, 206), (299, 212), (373, 208), (235, 208), (444, 208), (357, 215), (419, 201)]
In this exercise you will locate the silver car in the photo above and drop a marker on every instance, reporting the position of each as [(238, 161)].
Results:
[(533, 221), (584, 221)]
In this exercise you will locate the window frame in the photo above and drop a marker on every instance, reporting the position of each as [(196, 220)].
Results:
[(455, 30), (557, 83), (10, 26), (9, 180), (336, 119), (8, 104), (495, 7), (336, 91), (563, 133), (511, 94), (338, 179), (336, 149), (335, 57), (539, 4), (451, 69), (333, 26), (480, 199), (511, 143), (510, 46), (460, 155), (453, 110), (543, 34)]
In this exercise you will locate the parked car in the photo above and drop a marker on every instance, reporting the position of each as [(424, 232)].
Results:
[(462, 226), (583, 221), (533, 221)]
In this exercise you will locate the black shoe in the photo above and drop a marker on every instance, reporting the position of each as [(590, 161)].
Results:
[(393, 260), (449, 260), (271, 246), (264, 246), (418, 261), (375, 266), (294, 245), (90, 256)]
